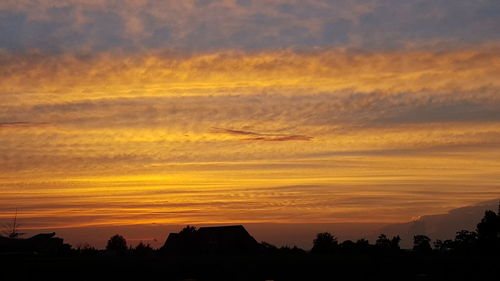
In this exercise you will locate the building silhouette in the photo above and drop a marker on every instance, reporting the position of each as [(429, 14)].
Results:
[(221, 239), (43, 243)]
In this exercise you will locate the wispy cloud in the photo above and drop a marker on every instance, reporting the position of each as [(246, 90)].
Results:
[(37, 78), (23, 124), (182, 111), (263, 136), (281, 138), (236, 132)]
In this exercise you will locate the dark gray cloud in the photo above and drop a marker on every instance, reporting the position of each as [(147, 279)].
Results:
[(211, 25)]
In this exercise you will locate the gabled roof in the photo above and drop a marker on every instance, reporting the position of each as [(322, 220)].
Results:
[(216, 239), (224, 229)]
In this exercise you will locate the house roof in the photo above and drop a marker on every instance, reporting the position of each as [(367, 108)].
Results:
[(232, 238)]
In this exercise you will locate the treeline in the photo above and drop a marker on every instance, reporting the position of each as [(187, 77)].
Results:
[(471, 255), (485, 240)]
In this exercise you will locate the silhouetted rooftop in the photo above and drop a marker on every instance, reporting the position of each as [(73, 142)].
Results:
[(218, 239)]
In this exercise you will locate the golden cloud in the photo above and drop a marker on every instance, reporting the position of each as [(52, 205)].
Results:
[(115, 139), (62, 78)]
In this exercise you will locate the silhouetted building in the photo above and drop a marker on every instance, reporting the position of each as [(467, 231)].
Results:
[(43, 243), (220, 239)]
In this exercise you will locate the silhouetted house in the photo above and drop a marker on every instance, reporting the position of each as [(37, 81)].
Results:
[(226, 239), (44, 243), (220, 239), (177, 243)]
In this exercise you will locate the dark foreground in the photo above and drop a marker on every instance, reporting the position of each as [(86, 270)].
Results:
[(401, 266)]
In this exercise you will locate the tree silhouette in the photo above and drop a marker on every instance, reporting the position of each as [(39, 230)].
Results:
[(465, 241), (363, 242), (11, 230), (363, 245), (324, 243), (386, 244), (188, 231), (488, 231), (348, 246), (291, 250), (382, 240), (143, 250), (444, 246), (86, 249), (117, 244), (421, 243), (395, 242)]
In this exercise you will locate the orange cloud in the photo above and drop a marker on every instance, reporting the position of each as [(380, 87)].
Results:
[(132, 138), (68, 78)]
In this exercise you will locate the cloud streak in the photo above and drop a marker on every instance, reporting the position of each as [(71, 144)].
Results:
[(38, 79), (263, 136), (13, 125)]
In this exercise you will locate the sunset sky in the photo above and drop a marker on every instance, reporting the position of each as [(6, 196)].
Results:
[(237, 111)]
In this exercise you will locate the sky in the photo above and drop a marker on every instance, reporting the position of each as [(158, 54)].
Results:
[(120, 113)]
